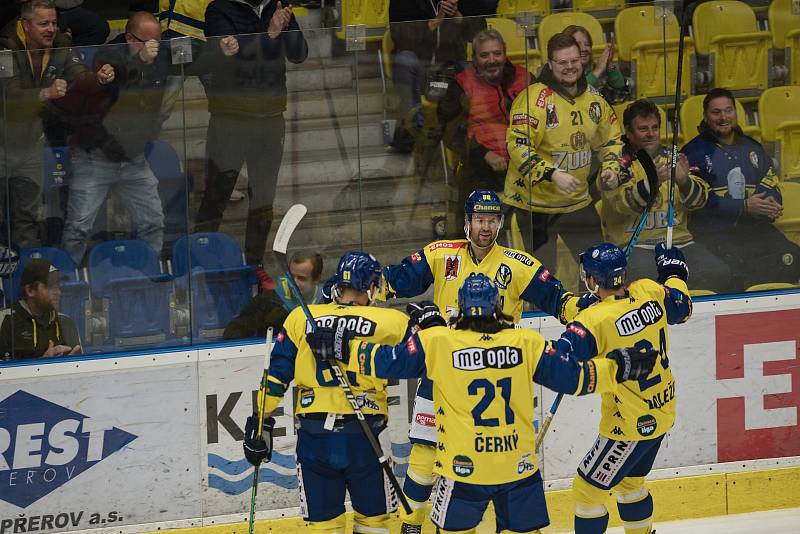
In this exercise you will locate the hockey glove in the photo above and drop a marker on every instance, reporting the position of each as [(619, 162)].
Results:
[(633, 363), (258, 450), (670, 263), (586, 300), (425, 314), (331, 343), (327, 289)]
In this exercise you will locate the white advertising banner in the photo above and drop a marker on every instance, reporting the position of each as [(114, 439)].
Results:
[(98, 449), (158, 437)]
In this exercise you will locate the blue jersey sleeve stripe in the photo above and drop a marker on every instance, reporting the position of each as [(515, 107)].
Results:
[(678, 305)]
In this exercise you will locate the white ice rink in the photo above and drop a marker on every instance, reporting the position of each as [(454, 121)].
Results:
[(772, 522)]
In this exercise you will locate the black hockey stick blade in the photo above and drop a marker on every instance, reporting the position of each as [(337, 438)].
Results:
[(652, 183)]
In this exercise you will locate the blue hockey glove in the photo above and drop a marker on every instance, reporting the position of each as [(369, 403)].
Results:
[(425, 314), (327, 289), (586, 300), (258, 450), (329, 343), (633, 363), (670, 263)]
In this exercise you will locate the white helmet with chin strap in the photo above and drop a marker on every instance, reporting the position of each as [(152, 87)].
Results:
[(482, 201)]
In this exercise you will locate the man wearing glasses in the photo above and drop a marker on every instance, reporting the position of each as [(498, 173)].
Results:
[(35, 329), (557, 125)]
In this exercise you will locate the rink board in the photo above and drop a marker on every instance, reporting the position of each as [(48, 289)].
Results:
[(139, 442)]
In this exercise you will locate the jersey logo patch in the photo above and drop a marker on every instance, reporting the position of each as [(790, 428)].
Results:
[(552, 116), (411, 346), (280, 337), (637, 320), (503, 277), (543, 94), (595, 112), (425, 419), (477, 358), (451, 266), (545, 275), (445, 244), (576, 330), (416, 257), (360, 326), (520, 257)]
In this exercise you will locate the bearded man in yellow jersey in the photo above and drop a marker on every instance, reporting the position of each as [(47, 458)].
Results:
[(622, 207), (636, 415), (445, 265), (483, 370), (557, 125), (333, 454)]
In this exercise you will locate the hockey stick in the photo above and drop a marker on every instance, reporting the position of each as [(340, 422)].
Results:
[(262, 398), (675, 121), (284, 233), (652, 182)]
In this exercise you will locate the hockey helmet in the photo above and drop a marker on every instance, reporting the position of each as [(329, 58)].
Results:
[(482, 201), (605, 263), (478, 296), (358, 270)]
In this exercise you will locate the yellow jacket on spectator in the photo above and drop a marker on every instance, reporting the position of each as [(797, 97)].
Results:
[(623, 206), (549, 131), (186, 17)]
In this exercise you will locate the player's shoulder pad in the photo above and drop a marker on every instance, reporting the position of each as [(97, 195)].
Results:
[(446, 244), (520, 256), (646, 285)]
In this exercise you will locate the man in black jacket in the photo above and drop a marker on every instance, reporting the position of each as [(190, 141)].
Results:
[(110, 131), (246, 99), (35, 329)]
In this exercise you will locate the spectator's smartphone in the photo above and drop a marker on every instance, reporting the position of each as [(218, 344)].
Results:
[(6, 64)]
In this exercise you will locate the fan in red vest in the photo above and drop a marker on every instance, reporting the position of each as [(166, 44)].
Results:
[(483, 94)]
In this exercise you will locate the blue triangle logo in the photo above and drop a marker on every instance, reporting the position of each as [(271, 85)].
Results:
[(44, 446)]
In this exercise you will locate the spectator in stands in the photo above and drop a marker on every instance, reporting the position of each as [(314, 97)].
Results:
[(270, 307), (482, 94), (110, 131), (83, 26), (556, 127), (42, 77), (35, 329), (430, 40), (623, 207), (246, 99), (736, 223), (604, 75)]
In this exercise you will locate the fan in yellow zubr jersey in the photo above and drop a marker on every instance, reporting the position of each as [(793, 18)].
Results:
[(622, 207), (333, 454), (445, 265), (483, 370), (636, 415), (557, 124)]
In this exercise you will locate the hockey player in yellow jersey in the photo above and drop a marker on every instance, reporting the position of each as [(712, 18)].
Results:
[(557, 124), (483, 370), (636, 415), (445, 265), (333, 454), (623, 206)]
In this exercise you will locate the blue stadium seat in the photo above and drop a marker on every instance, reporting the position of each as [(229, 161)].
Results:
[(137, 294), (173, 186), (210, 267), (74, 292)]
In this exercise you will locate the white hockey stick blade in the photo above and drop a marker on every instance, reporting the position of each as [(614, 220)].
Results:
[(286, 229)]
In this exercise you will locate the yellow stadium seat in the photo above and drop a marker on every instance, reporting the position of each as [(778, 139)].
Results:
[(641, 41), (387, 47), (785, 29), (515, 44), (374, 14), (510, 8), (692, 113), (619, 109), (604, 10), (727, 32), (789, 222), (700, 292), (779, 113), (556, 22)]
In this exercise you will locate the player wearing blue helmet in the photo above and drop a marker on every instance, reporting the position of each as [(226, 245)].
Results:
[(445, 265), (635, 417), (333, 454), (481, 373)]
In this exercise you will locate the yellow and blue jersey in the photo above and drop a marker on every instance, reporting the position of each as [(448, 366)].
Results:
[(644, 409), (483, 393), (446, 264), (318, 390)]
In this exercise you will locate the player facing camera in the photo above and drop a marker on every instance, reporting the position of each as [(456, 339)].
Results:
[(483, 218)]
